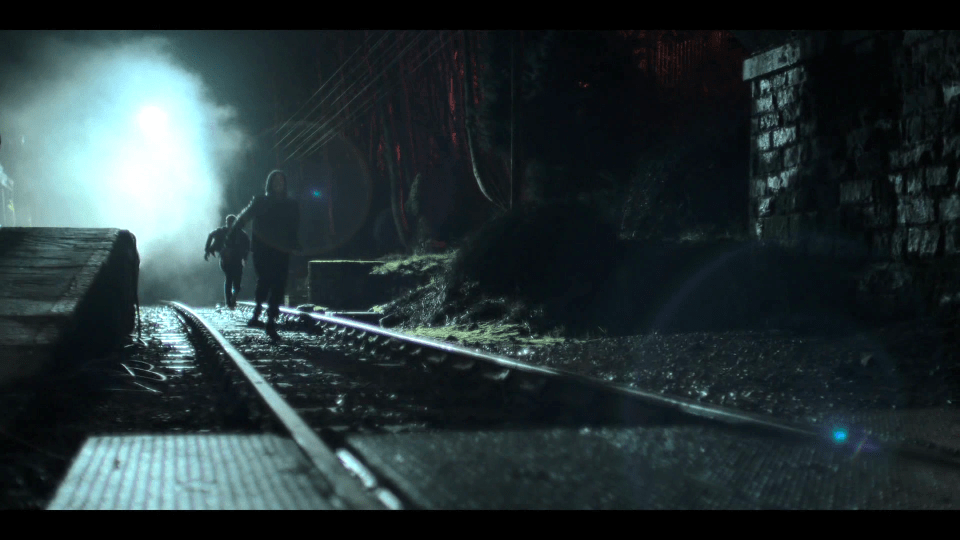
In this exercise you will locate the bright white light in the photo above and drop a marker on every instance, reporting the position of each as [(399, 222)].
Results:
[(152, 120), (127, 138)]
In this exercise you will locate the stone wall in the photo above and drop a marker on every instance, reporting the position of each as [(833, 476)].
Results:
[(854, 146)]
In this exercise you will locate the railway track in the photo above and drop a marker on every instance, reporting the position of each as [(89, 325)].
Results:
[(340, 389), (530, 394)]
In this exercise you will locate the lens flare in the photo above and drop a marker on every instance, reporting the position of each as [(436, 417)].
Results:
[(839, 435)]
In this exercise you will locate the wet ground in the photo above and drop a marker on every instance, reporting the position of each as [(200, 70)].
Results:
[(806, 360), (332, 389), (152, 386), (792, 375)]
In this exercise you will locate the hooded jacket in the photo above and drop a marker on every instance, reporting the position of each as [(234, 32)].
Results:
[(276, 222)]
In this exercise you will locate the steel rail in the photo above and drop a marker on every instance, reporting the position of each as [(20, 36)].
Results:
[(583, 391), (341, 469)]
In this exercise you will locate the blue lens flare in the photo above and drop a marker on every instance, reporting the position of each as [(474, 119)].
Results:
[(316, 194), (839, 435)]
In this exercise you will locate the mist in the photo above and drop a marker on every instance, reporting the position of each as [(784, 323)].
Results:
[(120, 135)]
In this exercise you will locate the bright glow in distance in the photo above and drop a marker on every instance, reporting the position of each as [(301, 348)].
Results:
[(839, 435), (152, 120), (120, 135)]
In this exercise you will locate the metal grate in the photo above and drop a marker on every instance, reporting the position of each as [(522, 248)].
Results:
[(191, 472)]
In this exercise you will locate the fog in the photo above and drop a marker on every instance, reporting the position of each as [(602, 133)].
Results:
[(119, 135)]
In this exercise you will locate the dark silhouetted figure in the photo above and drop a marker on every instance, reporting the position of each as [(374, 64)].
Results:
[(233, 256), (276, 221)]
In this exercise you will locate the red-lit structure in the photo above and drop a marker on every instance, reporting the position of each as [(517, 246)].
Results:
[(412, 95)]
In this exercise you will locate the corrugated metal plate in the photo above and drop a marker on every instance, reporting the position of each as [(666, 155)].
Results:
[(191, 472)]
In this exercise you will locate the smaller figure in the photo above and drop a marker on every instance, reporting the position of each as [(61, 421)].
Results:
[(233, 256)]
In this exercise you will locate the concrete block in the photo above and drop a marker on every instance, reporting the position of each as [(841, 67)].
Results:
[(870, 163), (768, 121), (906, 158), (772, 60), (929, 51), (768, 162), (345, 285), (921, 100), (933, 123), (773, 82), (786, 96), (785, 56), (789, 112), (951, 244), (762, 142), (773, 182), (808, 128), (765, 208), (878, 216), (913, 129), (914, 181), (897, 181), (880, 244), (951, 147), (911, 37), (856, 191), (66, 295), (796, 76), (923, 241), (937, 176), (807, 198), (775, 227), (950, 208), (952, 43), (857, 138), (915, 210), (357, 285), (763, 104), (791, 156), (898, 243), (950, 91), (786, 202), (788, 178), (784, 136)]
